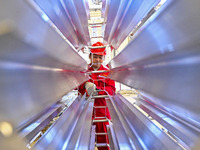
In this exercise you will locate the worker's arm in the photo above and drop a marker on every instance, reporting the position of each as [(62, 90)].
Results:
[(81, 88)]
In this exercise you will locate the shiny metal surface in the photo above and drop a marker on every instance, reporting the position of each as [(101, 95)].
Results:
[(186, 134), (112, 141), (96, 47), (100, 96), (133, 130), (72, 130), (163, 61), (92, 139), (70, 17), (122, 16), (98, 71), (30, 131), (36, 64), (120, 138)]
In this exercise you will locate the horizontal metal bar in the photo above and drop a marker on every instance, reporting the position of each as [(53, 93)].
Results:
[(100, 133), (100, 23), (98, 71), (100, 106), (97, 37), (100, 96), (100, 120), (96, 47), (102, 145)]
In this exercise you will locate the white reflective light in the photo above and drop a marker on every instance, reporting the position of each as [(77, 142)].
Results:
[(45, 17), (163, 1)]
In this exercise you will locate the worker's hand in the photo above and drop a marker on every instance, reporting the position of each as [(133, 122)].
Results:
[(90, 88)]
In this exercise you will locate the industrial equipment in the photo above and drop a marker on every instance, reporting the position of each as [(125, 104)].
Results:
[(40, 43)]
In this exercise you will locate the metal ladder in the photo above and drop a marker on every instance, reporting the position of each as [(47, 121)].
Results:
[(100, 119)]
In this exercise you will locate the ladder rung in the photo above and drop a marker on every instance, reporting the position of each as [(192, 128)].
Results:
[(100, 106), (102, 145), (96, 47), (100, 96), (96, 37), (100, 120), (99, 23), (98, 71), (101, 133)]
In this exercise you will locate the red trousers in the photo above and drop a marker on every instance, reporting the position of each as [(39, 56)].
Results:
[(101, 128)]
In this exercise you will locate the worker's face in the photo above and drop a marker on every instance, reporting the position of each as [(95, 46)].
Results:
[(96, 60)]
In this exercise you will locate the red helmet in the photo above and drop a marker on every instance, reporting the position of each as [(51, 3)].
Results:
[(98, 51)]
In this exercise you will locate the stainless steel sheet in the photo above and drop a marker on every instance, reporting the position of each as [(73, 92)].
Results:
[(72, 130), (183, 132), (122, 16), (139, 131), (163, 61), (37, 66), (70, 17)]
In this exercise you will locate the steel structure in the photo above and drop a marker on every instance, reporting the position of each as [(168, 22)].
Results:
[(39, 64)]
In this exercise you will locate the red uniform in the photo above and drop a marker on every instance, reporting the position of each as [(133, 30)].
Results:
[(102, 83)]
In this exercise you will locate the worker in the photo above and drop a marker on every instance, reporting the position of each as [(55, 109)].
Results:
[(99, 84)]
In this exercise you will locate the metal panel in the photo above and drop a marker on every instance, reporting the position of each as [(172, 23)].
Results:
[(183, 132), (122, 17), (140, 132), (163, 61), (37, 66), (30, 131), (72, 130), (70, 17), (122, 141)]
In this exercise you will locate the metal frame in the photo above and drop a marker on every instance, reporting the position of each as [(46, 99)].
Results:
[(162, 62), (74, 26), (73, 129), (185, 134), (132, 130), (122, 17), (30, 131), (33, 66)]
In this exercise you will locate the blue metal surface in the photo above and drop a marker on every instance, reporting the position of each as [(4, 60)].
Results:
[(122, 17)]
